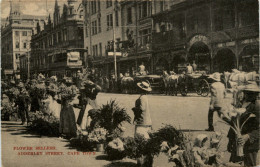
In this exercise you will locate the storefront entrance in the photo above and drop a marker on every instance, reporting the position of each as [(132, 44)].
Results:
[(225, 60), (249, 58), (199, 52), (178, 63)]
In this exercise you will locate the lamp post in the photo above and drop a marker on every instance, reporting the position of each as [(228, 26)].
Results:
[(114, 39)]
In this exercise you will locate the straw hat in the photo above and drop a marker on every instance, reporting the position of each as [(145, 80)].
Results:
[(215, 76), (145, 86), (252, 88)]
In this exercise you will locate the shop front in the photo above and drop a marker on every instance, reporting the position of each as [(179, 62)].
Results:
[(249, 58)]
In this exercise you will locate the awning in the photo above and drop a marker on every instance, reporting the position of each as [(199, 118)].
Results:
[(134, 57)]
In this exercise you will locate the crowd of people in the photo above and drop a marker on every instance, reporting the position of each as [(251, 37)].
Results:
[(28, 97)]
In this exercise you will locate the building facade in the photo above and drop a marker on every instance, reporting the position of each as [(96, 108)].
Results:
[(217, 35), (16, 34), (57, 48)]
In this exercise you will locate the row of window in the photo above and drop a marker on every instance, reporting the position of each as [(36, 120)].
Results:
[(95, 5), (145, 10), (24, 33), (96, 24), (25, 45)]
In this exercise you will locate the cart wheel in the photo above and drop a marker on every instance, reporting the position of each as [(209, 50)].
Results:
[(204, 88), (183, 90)]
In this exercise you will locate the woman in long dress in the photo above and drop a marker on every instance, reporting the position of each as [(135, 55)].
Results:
[(142, 120), (67, 116), (87, 102)]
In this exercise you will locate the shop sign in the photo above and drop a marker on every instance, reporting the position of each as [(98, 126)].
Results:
[(199, 38), (221, 45), (248, 41)]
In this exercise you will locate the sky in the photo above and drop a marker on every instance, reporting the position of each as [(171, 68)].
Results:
[(30, 7)]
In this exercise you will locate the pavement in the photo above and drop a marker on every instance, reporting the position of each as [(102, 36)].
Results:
[(186, 113)]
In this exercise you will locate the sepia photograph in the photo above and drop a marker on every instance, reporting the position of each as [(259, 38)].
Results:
[(130, 83)]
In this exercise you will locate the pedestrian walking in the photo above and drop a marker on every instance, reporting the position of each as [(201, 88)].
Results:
[(194, 66), (250, 130), (218, 94)]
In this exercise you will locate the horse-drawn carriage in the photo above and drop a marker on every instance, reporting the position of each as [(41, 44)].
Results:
[(199, 83), (129, 84)]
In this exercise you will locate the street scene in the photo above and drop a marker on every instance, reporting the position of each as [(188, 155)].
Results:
[(146, 83)]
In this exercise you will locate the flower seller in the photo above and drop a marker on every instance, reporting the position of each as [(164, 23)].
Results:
[(87, 102), (249, 138), (23, 103)]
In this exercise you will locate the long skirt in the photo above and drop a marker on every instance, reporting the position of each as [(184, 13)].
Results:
[(143, 130), (86, 120), (67, 121)]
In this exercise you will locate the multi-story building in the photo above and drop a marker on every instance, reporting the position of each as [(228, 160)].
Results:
[(57, 47), (16, 34), (102, 27), (128, 23), (217, 35)]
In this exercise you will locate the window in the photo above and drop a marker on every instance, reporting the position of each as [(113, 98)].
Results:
[(161, 5), (99, 25), (224, 18), (109, 3), (248, 13), (24, 33), (98, 5), (100, 49), (109, 21), (24, 45), (145, 36), (17, 55), (93, 7), (95, 50), (17, 45), (29, 33), (117, 24), (17, 33), (94, 27), (145, 9), (129, 15), (81, 14)]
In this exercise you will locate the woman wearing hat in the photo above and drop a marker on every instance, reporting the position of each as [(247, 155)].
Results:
[(142, 119), (250, 131)]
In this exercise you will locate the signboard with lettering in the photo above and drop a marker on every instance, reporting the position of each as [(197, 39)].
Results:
[(199, 38)]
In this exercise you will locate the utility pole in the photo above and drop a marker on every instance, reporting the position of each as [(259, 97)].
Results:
[(114, 38)]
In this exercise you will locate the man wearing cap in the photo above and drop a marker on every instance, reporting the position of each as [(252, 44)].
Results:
[(23, 102), (218, 94)]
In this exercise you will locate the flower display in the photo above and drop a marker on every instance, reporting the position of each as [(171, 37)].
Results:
[(116, 144), (67, 93), (98, 135), (233, 119)]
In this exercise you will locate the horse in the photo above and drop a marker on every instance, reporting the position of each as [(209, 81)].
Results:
[(170, 83), (127, 84)]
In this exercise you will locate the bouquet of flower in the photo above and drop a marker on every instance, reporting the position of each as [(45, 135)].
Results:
[(98, 135), (67, 93), (53, 89), (13, 93), (40, 91), (115, 149), (233, 119)]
